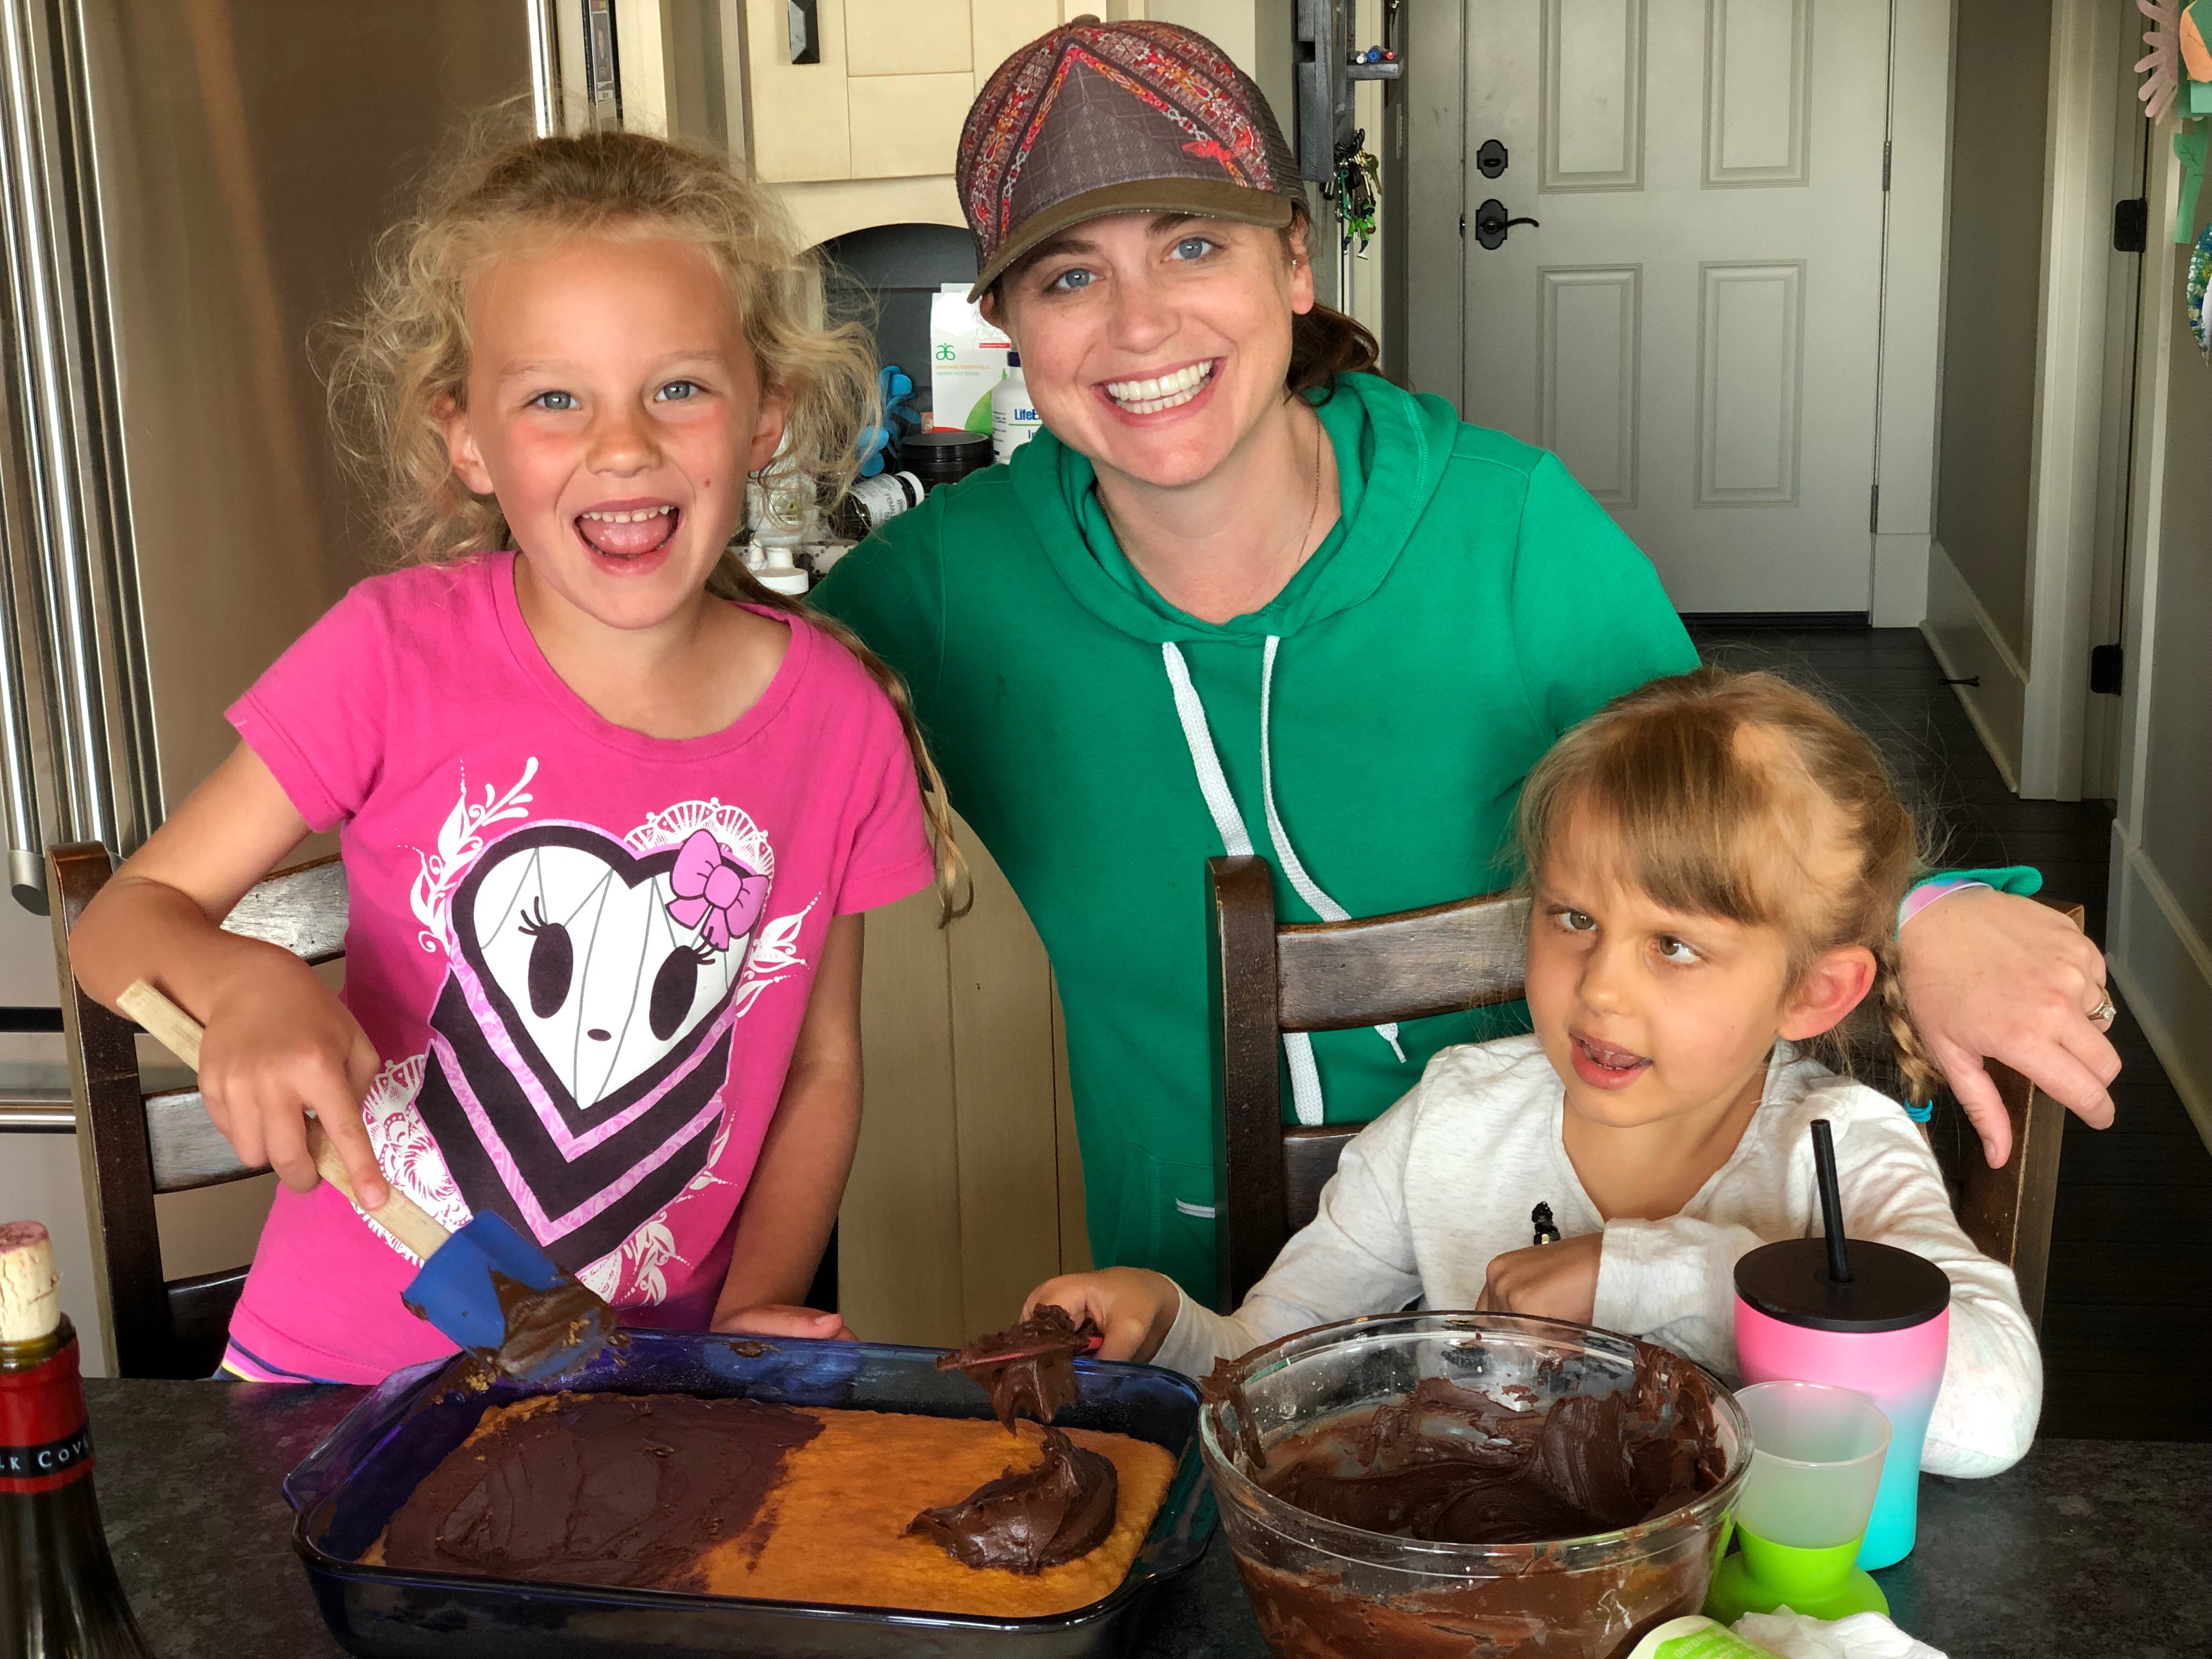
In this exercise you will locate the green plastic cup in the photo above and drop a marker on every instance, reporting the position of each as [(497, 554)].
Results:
[(1815, 1463)]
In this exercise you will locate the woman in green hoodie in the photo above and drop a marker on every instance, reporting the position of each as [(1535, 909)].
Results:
[(1237, 597)]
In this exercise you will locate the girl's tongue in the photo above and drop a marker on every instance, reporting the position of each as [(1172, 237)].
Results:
[(626, 535)]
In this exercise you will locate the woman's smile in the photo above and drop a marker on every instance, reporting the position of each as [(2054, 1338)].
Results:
[(1158, 394)]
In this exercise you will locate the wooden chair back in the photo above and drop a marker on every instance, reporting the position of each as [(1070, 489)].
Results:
[(134, 1145), (1267, 977)]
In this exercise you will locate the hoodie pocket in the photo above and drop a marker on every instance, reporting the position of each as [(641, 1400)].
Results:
[(1166, 1219)]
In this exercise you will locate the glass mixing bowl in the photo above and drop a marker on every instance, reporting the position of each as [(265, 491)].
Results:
[(1319, 1587)]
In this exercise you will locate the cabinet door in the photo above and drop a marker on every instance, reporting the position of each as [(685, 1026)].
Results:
[(910, 69), (966, 1193), (800, 131)]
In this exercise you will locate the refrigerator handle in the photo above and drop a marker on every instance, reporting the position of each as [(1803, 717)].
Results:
[(19, 789), (65, 525)]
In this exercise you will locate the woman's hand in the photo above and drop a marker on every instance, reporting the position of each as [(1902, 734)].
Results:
[(1551, 1281), (280, 1045), (1134, 1308), (778, 1319), (1992, 975)]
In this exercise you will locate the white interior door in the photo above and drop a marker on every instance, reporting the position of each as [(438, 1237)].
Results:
[(1693, 323)]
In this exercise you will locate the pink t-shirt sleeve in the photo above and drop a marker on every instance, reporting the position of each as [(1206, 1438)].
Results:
[(318, 718), (891, 855)]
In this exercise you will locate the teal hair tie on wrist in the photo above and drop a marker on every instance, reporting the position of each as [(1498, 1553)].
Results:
[(1921, 1114)]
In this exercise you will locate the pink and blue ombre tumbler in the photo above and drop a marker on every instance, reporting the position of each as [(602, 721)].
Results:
[(1882, 1334)]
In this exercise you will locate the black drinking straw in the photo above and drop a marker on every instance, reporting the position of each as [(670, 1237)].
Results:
[(1831, 1201)]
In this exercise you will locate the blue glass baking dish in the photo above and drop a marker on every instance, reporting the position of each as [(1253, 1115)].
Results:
[(352, 1484)]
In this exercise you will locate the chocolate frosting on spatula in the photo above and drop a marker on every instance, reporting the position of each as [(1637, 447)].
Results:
[(1029, 1369)]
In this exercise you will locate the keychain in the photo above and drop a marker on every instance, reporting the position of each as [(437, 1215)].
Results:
[(2200, 275), (1354, 191)]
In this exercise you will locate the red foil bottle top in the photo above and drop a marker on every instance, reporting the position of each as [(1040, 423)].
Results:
[(45, 1439)]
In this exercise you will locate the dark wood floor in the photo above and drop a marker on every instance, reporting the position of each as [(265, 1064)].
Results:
[(2127, 1322)]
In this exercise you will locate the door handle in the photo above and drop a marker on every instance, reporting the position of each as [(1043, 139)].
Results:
[(1492, 223)]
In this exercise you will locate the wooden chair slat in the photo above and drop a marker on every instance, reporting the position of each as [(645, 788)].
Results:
[(133, 1145), (303, 909), (1310, 1159), (111, 1136), (1248, 1178), (1443, 959), (188, 1150), (199, 1319)]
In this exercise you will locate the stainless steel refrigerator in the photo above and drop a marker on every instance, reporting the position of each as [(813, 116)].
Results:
[(188, 189)]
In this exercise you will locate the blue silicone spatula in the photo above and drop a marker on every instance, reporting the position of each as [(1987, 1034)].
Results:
[(488, 1287)]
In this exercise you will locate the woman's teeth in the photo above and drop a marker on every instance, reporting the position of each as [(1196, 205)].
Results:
[(1168, 391)]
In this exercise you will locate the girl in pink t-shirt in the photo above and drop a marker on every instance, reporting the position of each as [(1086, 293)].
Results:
[(609, 810)]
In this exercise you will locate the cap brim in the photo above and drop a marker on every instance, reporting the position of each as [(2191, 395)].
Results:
[(1207, 198)]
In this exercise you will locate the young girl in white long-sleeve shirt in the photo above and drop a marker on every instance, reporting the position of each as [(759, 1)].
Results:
[(1716, 862)]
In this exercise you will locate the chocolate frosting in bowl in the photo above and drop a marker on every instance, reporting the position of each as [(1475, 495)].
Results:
[(1447, 1465), (1036, 1518), (1511, 1508)]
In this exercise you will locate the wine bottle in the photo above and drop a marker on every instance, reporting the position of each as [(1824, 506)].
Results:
[(59, 1597)]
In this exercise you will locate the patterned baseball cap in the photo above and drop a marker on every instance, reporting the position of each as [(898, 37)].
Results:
[(1095, 118)]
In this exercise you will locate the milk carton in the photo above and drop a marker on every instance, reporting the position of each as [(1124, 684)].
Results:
[(967, 361)]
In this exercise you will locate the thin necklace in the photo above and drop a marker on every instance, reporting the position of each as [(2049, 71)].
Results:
[(1298, 550), (1313, 512)]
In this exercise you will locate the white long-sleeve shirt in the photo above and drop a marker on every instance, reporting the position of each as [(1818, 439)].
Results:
[(1441, 1183)]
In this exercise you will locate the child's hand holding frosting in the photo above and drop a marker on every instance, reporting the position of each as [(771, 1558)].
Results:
[(1552, 1281), (1134, 1308)]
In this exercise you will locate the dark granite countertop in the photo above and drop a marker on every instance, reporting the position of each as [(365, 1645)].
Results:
[(2097, 1548)]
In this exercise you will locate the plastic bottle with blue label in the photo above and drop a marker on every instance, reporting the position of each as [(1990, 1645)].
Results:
[(1013, 417)]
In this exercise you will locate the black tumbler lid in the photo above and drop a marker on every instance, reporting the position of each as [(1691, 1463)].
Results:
[(1890, 1289)]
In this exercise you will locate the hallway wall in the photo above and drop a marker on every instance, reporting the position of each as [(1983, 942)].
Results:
[(2161, 893), (1979, 568)]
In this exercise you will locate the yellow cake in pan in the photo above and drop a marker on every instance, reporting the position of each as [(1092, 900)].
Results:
[(736, 1497)]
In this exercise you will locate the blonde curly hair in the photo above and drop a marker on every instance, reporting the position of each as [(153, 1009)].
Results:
[(402, 359)]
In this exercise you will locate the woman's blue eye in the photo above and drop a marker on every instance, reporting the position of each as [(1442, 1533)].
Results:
[(678, 392), (560, 403), (1193, 247), (1071, 279)]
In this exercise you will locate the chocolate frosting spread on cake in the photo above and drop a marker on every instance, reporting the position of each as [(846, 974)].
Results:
[(1029, 1369), (1037, 1518), (600, 1489), (1447, 1464)]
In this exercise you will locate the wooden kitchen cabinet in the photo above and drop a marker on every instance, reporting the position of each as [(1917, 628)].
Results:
[(893, 84), (968, 1190)]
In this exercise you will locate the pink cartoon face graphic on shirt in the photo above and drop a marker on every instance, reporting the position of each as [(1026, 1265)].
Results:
[(580, 1044)]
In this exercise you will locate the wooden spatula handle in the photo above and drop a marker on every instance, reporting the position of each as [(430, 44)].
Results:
[(179, 1033), (167, 1024)]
